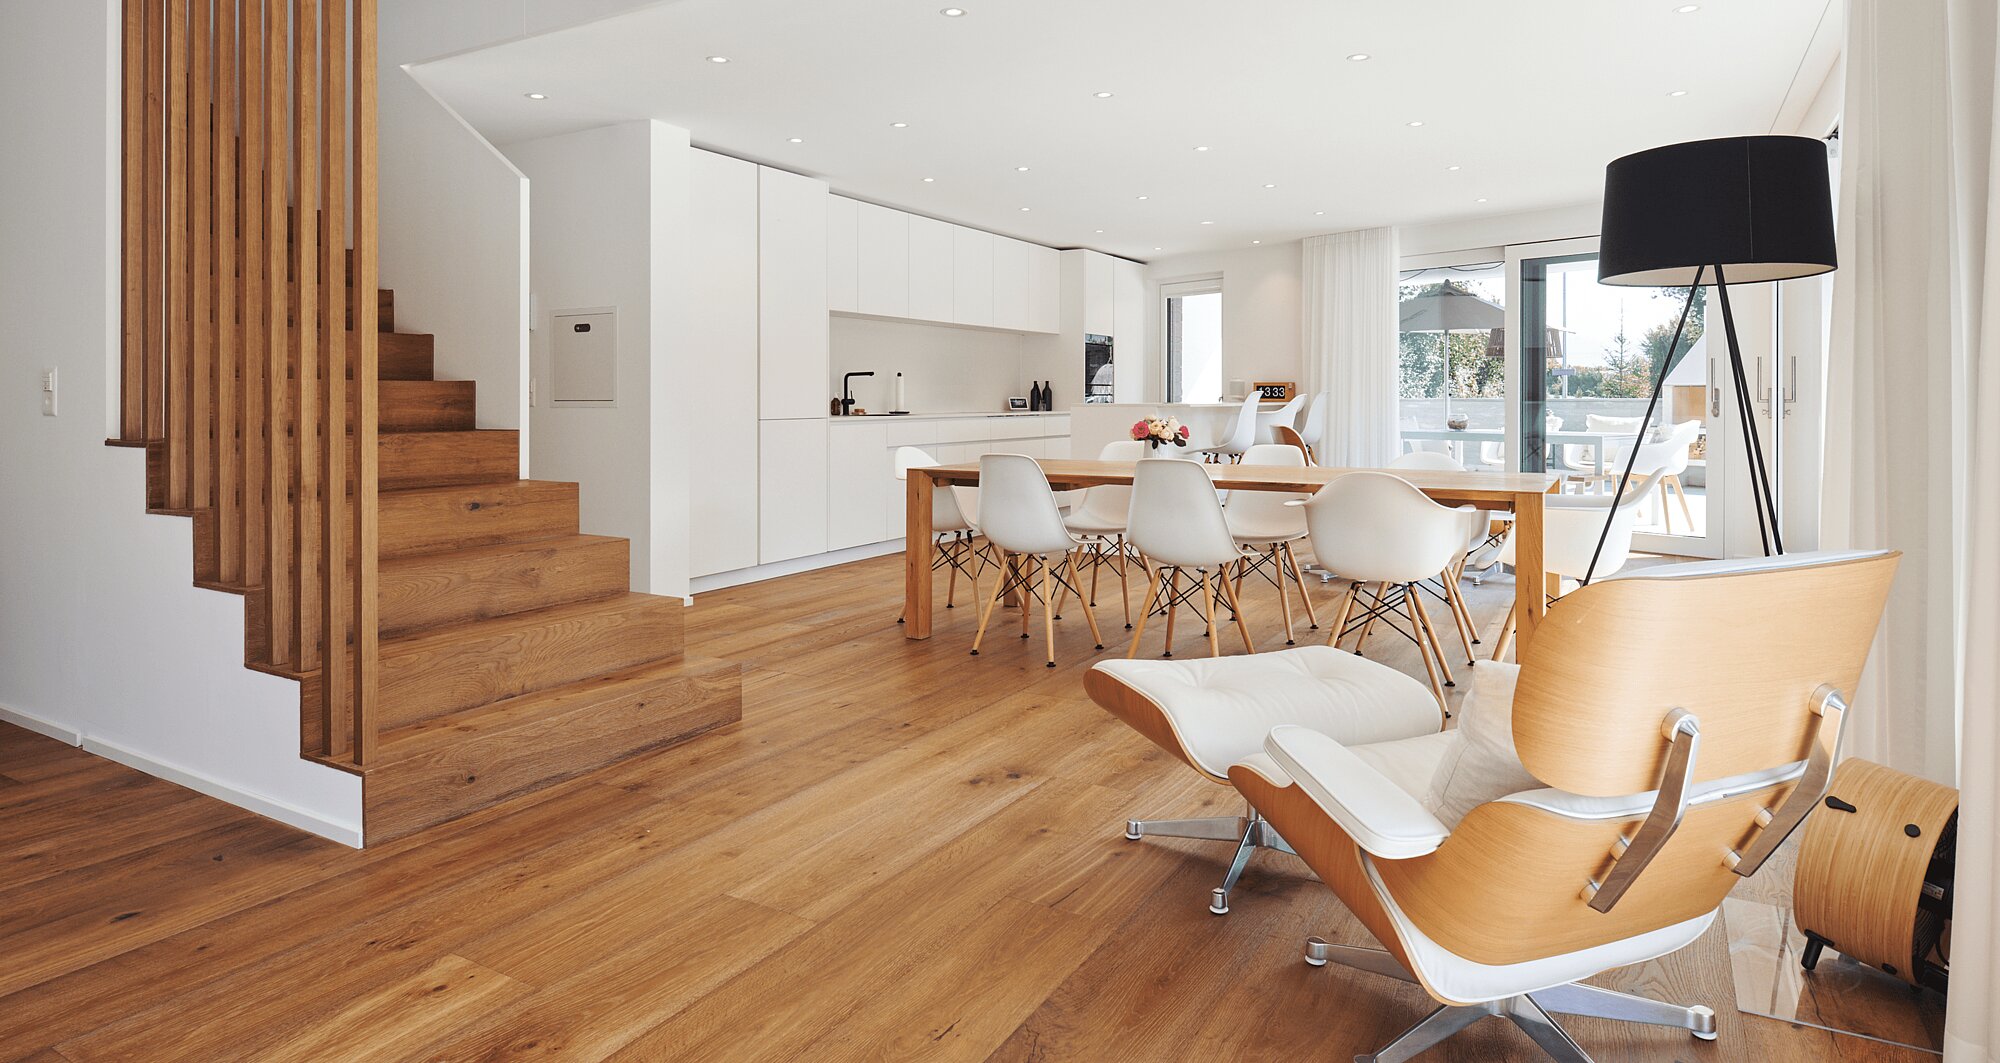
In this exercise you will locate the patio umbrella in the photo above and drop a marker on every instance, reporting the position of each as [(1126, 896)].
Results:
[(1449, 308)]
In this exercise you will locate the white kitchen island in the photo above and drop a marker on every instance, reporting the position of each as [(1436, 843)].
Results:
[(1094, 424)]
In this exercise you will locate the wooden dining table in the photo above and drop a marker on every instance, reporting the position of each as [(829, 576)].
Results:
[(1521, 492)]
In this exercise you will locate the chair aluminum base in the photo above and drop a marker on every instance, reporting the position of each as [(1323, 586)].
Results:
[(1250, 833), (1532, 1012)]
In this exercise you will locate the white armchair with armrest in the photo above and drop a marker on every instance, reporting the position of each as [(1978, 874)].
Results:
[(1595, 803)]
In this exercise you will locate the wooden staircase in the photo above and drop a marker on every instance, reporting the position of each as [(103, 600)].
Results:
[(482, 645)]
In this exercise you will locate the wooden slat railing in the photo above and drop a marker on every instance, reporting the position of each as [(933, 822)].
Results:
[(249, 292)]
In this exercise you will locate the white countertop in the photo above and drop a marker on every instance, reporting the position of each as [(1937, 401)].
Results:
[(877, 417)]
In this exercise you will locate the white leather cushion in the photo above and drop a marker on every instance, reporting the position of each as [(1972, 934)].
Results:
[(1410, 763), (1482, 765), (1222, 707)]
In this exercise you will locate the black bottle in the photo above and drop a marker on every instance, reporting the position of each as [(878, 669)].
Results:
[(1048, 397)]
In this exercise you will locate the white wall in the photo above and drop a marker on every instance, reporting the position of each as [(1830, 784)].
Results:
[(945, 370), (609, 230), (1499, 230), (103, 637), (1260, 310)]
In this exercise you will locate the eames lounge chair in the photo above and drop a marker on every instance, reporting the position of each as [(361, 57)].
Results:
[(1596, 814), (1212, 713)]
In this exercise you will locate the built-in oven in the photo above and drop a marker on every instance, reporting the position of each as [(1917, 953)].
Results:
[(1097, 369)]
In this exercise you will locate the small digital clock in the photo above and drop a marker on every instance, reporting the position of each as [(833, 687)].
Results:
[(1275, 390)]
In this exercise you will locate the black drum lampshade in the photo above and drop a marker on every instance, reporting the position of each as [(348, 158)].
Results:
[(1759, 207)]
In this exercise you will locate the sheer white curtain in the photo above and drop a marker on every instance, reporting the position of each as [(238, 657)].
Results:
[(1972, 1031), (1348, 290)]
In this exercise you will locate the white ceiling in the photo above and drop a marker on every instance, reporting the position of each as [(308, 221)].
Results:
[(1530, 98)]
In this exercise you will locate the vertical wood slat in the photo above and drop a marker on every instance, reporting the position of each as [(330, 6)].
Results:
[(154, 401), (281, 569), (200, 434), (335, 598), (176, 274), (228, 537), (256, 321), (305, 312), (367, 278), (132, 220)]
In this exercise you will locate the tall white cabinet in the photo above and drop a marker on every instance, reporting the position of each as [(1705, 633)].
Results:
[(791, 301), (722, 379)]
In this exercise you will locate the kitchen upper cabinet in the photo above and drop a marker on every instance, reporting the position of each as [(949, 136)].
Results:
[(791, 489), (884, 261), (1010, 283), (1099, 304), (1044, 289), (931, 283), (1133, 319), (722, 324), (792, 290), (842, 252), (972, 276)]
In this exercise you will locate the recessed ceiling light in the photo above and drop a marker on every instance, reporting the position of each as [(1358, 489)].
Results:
[(1156, 249), (1414, 125), (952, 12), (797, 140), (899, 125), (718, 59), (1102, 95), (1256, 241), (1097, 230), (1317, 213), (1678, 92), (1270, 186), (1020, 169), (1208, 223), (1145, 197), (537, 95), (1452, 169), (1024, 209), (928, 180), (1358, 57), (1201, 147), (1687, 9), (1481, 199)]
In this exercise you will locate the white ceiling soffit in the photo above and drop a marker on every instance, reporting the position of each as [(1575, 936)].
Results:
[(1526, 100)]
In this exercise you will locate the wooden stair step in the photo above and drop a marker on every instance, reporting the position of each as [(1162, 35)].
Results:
[(431, 459), (433, 590), (442, 768), (426, 405), (464, 515), (385, 309), (477, 663), (405, 356)]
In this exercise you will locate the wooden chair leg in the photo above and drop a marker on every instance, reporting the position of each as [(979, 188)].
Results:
[(1460, 617), (1346, 610), (1089, 613), (1424, 650), (1152, 588), (1024, 567), (1680, 492), (1430, 634), (1208, 603), (1124, 588), (1243, 626), (1048, 611), (1506, 640), (1173, 587), (1299, 577), (1284, 600), (949, 549), (986, 614)]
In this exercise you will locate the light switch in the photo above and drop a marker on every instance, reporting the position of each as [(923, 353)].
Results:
[(48, 392)]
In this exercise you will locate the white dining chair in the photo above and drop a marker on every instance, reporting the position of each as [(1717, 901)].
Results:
[(954, 528), (1177, 526), (1571, 527), (1099, 522), (1667, 456), (1265, 528), (1286, 415), (1025, 527), (1314, 430), (1444, 586), (1242, 433), (1377, 529)]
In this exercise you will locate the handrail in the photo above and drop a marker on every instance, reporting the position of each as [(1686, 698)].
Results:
[(249, 273)]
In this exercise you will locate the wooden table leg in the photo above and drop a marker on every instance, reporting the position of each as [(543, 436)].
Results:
[(917, 557), (1530, 576)]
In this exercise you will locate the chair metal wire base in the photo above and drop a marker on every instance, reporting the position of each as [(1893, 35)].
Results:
[(1532, 1012)]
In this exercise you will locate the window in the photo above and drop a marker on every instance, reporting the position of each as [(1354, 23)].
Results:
[(1194, 340), (1450, 352)]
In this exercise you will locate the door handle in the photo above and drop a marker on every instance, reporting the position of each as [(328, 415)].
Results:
[(1763, 396), (1714, 393)]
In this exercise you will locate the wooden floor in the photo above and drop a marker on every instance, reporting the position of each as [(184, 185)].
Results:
[(902, 852)]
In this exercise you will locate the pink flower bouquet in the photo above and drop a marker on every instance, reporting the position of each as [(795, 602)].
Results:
[(1161, 431)]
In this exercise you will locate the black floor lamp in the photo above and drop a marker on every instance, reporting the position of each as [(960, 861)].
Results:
[(1740, 210)]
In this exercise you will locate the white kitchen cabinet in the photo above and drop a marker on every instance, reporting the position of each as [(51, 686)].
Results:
[(884, 261), (861, 483), (1010, 284), (842, 253), (722, 324), (791, 488), (1133, 322), (791, 295), (1044, 289), (931, 282), (972, 276), (1099, 303)]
